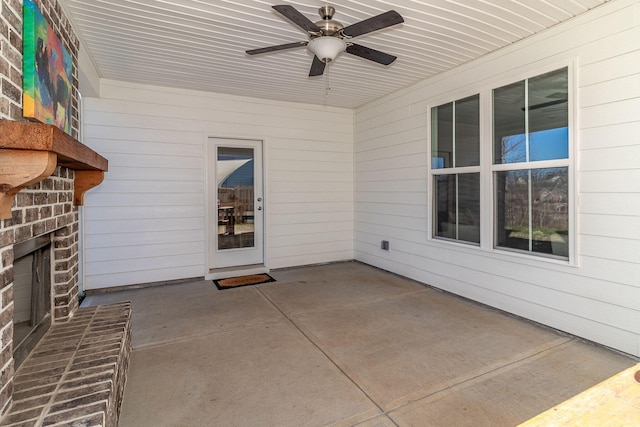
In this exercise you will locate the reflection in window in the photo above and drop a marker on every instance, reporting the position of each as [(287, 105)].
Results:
[(530, 127), (531, 120), (532, 210), (458, 206), (442, 136), (235, 181), (455, 134), (529, 170)]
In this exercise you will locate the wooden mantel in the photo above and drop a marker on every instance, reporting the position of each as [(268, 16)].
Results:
[(30, 152)]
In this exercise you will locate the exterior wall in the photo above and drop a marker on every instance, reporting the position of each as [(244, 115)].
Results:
[(147, 221), (44, 207), (597, 298)]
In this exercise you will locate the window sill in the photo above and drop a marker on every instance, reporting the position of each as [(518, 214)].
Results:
[(505, 254)]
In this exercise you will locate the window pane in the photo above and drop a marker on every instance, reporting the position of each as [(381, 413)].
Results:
[(442, 136), (546, 119), (532, 210), (445, 201), (458, 207), (512, 209), (549, 212), (509, 143), (467, 139), (469, 207), (549, 116)]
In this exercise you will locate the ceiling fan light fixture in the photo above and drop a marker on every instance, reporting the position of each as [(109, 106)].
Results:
[(328, 38), (326, 48)]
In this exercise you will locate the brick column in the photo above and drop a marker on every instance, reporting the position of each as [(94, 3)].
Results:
[(65, 285), (10, 108)]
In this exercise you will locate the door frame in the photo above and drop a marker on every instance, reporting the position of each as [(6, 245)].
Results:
[(211, 272)]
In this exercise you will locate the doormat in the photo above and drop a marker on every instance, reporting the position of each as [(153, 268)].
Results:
[(236, 282)]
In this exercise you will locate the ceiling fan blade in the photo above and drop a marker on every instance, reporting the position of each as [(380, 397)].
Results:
[(276, 48), (370, 54), (317, 67), (377, 22), (292, 14)]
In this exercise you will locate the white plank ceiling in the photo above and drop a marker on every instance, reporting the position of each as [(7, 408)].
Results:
[(200, 44)]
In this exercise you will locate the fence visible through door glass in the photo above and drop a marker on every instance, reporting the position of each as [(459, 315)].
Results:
[(235, 178)]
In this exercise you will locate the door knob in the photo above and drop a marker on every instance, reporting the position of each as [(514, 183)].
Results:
[(259, 208)]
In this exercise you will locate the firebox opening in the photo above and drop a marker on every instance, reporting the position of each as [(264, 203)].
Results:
[(32, 294)]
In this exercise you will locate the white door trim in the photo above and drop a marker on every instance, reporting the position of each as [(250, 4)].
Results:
[(253, 266)]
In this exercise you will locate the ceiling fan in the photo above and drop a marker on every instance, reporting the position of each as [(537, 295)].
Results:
[(328, 38)]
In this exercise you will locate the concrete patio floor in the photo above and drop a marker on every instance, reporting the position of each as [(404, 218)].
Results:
[(342, 345)]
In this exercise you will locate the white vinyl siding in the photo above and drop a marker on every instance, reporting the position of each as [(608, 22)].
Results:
[(147, 221), (598, 296)]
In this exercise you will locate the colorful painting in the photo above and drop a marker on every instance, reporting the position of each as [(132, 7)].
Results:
[(47, 72)]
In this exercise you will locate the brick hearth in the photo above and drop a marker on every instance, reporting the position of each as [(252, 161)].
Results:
[(76, 374)]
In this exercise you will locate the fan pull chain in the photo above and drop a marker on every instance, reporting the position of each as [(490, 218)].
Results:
[(327, 82)]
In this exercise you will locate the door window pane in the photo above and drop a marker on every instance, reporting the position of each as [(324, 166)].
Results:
[(235, 178)]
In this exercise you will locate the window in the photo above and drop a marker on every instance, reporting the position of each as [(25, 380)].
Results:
[(531, 164), (455, 163), (527, 167)]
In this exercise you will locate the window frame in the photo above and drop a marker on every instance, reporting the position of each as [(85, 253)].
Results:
[(487, 168), (453, 170)]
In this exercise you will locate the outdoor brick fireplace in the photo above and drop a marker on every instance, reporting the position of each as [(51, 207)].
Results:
[(44, 173)]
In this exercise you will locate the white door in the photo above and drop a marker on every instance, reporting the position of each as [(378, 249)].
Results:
[(236, 203)]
